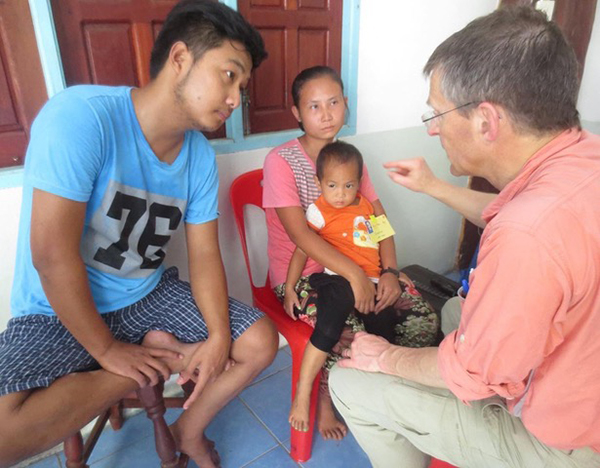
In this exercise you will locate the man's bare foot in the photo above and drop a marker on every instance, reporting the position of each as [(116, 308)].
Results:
[(201, 450), (330, 427), (299, 413)]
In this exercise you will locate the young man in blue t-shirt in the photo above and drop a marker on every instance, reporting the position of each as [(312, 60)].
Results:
[(110, 174)]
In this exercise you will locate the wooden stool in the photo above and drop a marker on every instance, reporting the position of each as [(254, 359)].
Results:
[(149, 398)]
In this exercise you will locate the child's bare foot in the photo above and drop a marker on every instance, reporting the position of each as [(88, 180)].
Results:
[(300, 412), (330, 427)]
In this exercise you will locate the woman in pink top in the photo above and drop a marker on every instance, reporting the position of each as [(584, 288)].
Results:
[(289, 188)]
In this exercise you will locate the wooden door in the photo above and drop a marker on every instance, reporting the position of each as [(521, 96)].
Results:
[(297, 34), (22, 86), (576, 20), (109, 41)]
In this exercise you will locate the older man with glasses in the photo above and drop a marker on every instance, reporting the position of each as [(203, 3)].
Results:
[(517, 382)]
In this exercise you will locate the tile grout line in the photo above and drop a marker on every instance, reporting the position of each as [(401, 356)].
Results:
[(121, 449), (262, 455), (262, 423)]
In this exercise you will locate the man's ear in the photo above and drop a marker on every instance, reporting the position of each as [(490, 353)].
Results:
[(296, 113), (180, 57), (488, 120)]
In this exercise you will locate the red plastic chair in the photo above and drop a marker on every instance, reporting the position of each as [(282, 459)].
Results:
[(435, 463), (247, 190)]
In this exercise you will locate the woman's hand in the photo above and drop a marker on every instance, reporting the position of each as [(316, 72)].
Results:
[(388, 291), (209, 360), (406, 280), (364, 294), (289, 302)]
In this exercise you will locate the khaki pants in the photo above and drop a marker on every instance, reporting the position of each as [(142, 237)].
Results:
[(400, 424)]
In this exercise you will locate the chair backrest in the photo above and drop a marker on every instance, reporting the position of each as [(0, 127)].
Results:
[(247, 190)]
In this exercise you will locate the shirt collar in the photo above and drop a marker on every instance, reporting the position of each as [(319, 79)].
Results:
[(562, 141)]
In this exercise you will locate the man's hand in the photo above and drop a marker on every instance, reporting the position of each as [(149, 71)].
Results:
[(388, 291), (364, 294), (413, 174), (206, 364), (364, 352), (137, 362)]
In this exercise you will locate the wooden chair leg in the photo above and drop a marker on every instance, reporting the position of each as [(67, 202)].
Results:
[(116, 416), (152, 399), (188, 388), (74, 452)]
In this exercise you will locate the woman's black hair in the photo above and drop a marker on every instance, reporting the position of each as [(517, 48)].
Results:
[(309, 74), (204, 25)]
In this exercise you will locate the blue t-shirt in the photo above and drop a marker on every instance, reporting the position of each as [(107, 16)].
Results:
[(87, 145)]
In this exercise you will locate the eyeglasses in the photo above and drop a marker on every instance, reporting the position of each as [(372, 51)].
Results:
[(427, 117)]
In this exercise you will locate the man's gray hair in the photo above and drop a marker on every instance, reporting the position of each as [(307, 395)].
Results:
[(516, 58)]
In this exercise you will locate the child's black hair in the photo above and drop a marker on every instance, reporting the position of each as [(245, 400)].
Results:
[(341, 153), (204, 25), (309, 74)]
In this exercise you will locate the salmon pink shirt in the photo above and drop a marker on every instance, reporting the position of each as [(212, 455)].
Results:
[(530, 325)]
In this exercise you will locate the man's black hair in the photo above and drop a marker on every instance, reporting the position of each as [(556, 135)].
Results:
[(203, 25)]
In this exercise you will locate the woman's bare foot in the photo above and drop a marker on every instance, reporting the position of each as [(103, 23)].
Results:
[(299, 413), (161, 339), (330, 427), (201, 450)]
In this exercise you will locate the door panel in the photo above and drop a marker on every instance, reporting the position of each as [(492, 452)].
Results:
[(272, 71), (576, 20), (111, 55), (312, 47), (109, 41), (297, 34), (90, 31), (22, 86)]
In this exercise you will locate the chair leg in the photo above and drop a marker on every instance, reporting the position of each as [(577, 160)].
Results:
[(116, 416), (188, 388), (152, 399), (74, 453)]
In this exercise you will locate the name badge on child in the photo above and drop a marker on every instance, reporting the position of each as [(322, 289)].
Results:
[(382, 229)]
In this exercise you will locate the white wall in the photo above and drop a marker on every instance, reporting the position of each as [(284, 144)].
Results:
[(10, 204), (394, 45), (589, 95)]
